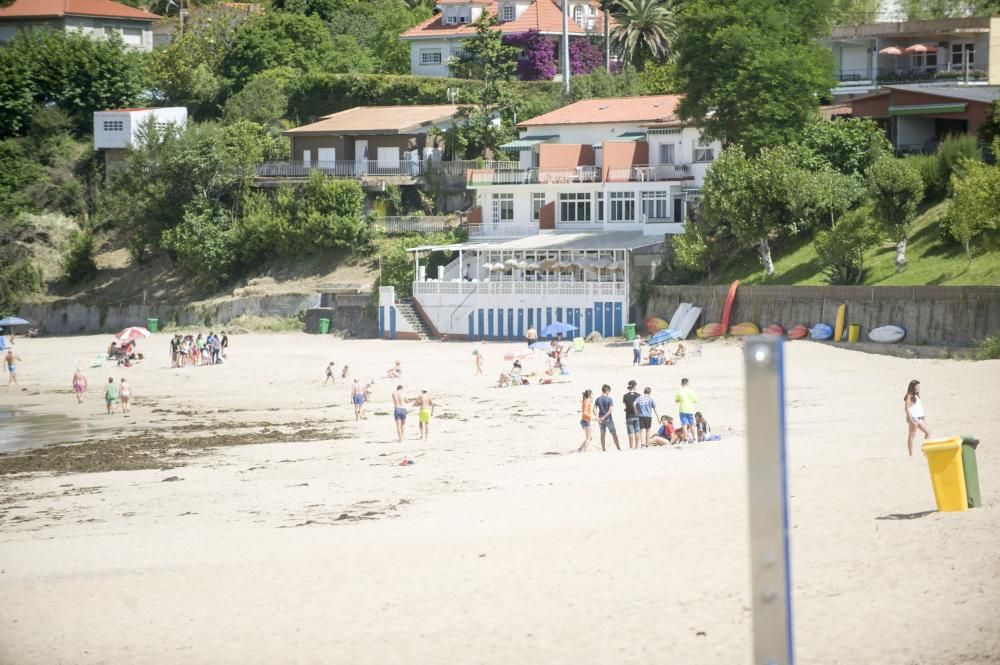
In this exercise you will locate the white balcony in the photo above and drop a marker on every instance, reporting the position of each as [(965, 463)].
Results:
[(509, 288), (578, 174), (502, 230)]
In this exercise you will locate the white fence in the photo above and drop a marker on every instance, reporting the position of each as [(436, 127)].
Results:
[(488, 176), (412, 224), (643, 173), (502, 230), (604, 289)]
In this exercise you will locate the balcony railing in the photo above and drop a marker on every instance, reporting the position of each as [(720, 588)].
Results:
[(508, 288), (644, 173), (412, 224), (363, 168), (855, 75), (502, 230), (534, 176)]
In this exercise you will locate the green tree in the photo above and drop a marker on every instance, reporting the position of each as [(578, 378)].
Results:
[(645, 30), (277, 39), (18, 171), (895, 189), (205, 242), (842, 249), (975, 203), (752, 70), (922, 10), (262, 100), (850, 146), (66, 69), (855, 12), (817, 198)]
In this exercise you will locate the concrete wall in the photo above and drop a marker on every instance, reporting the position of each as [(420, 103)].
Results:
[(941, 315), (76, 319), (349, 315)]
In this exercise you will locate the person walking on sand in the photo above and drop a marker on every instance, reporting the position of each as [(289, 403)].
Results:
[(79, 384), (637, 350), (631, 415), (343, 372), (110, 394), (586, 419), (124, 394), (358, 398), (10, 362), (686, 399), (399, 412), (915, 418), (479, 362), (531, 335), (604, 405), (329, 374), (646, 406), (426, 404)]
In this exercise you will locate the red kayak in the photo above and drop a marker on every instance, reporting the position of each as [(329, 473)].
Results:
[(798, 332), (727, 310), (774, 329)]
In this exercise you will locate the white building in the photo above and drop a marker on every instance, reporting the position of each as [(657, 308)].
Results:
[(438, 39), (117, 130), (98, 19), (570, 232)]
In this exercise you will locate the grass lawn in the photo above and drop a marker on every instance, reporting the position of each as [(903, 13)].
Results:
[(929, 261)]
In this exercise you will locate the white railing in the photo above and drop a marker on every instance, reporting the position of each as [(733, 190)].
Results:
[(458, 168), (649, 173), (341, 169), (433, 288), (487, 176), (412, 224), (502, 230)]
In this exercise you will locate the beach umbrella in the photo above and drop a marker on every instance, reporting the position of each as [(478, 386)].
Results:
[(12, 321), (131, 333), (548, 264), (920, 48), (533, 266), (894, 51), (557, 328)]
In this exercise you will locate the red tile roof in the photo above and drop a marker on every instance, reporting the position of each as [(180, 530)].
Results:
[(655, 108), (60, 8), (542, 15)]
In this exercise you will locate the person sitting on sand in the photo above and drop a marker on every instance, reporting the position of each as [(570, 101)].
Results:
[(343, 372), (395, 372), (503, 380), (358, 399), (110, 394), (664, 435), (679, 352), (79, 385), (702, 429), (113, 350), (329, 374), (124, 394)]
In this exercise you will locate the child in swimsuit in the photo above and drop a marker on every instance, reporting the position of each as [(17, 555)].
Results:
[(329, 374), (586, 418), (124, 394)]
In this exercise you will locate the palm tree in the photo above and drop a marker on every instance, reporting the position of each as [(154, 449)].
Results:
[(645, 30), (606, 7)]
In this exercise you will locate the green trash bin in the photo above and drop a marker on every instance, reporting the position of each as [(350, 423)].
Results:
[(971, 471), (324, 326), (630, 331), (152, 325)]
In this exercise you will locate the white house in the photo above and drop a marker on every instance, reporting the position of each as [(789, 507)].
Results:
[(95, 18), (439, 38), (571, 232), (117, 130)]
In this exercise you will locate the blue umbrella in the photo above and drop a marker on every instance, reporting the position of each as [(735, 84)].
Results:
[(557, 328), (13, 321), (540, 346)]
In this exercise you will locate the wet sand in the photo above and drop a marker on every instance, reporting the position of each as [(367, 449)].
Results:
[(241, 515)]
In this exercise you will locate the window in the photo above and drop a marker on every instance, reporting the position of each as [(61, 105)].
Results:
[(503, 208), (704, 154), (132, 36), (508, 13), (622, 206), (575, 207), (655, 205), (430, 57), (925, 61), (600, 206), (457, 52), (537, 203), (666, 153), (463, 19), (956, 54), (451, 19), (114, 125), (578, 14)]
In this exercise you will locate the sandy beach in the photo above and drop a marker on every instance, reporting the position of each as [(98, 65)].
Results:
[(242, 515)]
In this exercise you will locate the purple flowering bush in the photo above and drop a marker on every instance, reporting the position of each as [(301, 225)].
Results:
[(538, 60), (585, 56)]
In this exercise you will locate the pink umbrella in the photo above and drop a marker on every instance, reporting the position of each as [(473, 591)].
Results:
[(131, 333), (920, 48), (891, 50)]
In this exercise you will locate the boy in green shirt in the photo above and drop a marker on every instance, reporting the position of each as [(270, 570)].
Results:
[(111, 394), (686, 399)]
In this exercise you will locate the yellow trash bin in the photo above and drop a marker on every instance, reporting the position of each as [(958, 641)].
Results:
[(853, 332), (944, 458)]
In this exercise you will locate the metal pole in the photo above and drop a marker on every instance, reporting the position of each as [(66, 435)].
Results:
[(565, 46), (768, 501)]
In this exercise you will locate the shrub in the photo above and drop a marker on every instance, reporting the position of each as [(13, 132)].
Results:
[(989, 348), (931, 174), (842, 249), (78, 264), (205, 243), (691, 252), (538, 55), (936, 170)]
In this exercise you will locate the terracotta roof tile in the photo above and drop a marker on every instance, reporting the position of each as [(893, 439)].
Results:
[(379, 119), (59, 8), (654, 108), (542, 15)]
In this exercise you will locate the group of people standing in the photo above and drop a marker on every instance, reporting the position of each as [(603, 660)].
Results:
[(113, 393), (190, 350), (640, 414)]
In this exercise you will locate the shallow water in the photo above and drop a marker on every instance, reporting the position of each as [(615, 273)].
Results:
[(20, 430)]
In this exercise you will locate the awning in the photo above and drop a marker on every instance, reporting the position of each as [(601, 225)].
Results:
[(527, 143), (928, 109), (624, 138)]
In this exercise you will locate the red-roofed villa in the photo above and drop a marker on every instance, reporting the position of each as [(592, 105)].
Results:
[(95, 18)]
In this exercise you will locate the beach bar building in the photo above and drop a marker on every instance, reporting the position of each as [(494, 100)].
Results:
[(565, 232)]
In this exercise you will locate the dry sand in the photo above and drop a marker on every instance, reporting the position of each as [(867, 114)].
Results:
[(488, 549)]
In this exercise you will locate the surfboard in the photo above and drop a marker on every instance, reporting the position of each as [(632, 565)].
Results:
[(744, 329), (655, 324), (675, 320), (710, 330), (838, 328), (887, 334), (687, 323), (821, 331), (774, 329), (798, 332), (727, 310)]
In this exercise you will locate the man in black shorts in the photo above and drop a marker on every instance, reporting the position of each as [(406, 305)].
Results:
[(631, 415)]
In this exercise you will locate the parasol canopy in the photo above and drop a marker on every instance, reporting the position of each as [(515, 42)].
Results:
[(557, 328), (891, 50), (920, 48), (131, 333), (12, 321)]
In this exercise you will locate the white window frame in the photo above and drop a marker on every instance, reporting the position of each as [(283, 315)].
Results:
[(576, 208), (503, 207), (463, 19), (704, 154), (537, 203), (508, 13), (621, 207), (599, 196), (451, 19), (656, 205), (427, 60), (672, 150)]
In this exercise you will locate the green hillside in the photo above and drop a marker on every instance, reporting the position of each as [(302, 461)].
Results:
[(930, 261)]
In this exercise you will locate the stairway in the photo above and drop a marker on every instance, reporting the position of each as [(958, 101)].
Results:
[(409, 313)]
